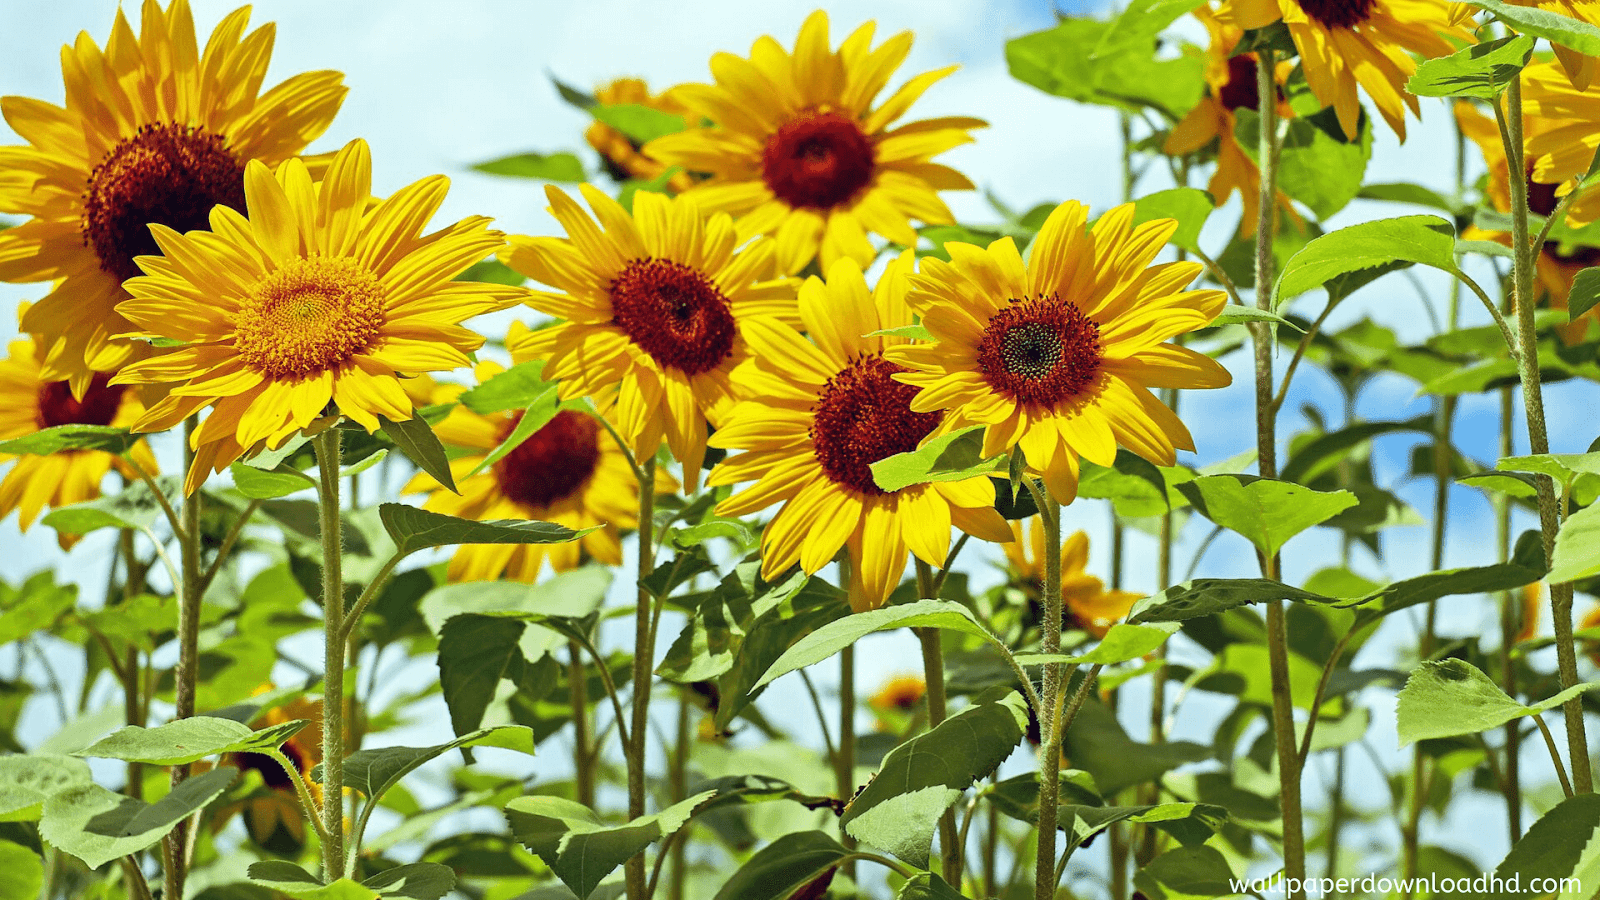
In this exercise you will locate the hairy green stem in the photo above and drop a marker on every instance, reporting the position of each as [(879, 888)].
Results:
[(1510, 627), (678, 783), (175, 851), (844, 765), (643, 665), (1050, 702), (326, 444)]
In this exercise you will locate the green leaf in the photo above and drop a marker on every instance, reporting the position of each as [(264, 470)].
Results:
[(545, 166), (1122, 643), (36, 605), (1406, 192), (187, 740), (1558, 845), (1478, 70), (1209, 596), (97, 826), (582, 849), (1067, 61), (378, 455), (784, 866), (26, 782), (1097, 744), (1187, 872), (899, 808), (1234, 314), (1188, 206), (290, 880), (104, 438), (1585, 292), (1448, 697), (416, 440), (260, 484), (1083, 822), (475, 652), (1323, 453), (1268, 513), (910, 332), (640, 124), (835, 636), (416, 529), (413, 881), (1553, 27), (21, 872), (1317, 166), (538, 414), (492, 271), (949, 457), (372, 772), (1423, 240), (928, 886), (1577, 550), (1137, 26), (517, 388)]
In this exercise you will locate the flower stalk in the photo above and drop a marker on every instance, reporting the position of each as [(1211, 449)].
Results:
[(643, 662), (327, 449), (175, 851), (1050, 700)]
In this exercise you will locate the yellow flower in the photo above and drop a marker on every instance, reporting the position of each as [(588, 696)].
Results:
[(277, 804), (796, 148), (152, 131), (317, 297), (1058, 357), (1086, 603), (1555, 267), (1230, 86), (1345, 44), (818, 416), (654, 309), (623, 158), (1566, 139), (897, 700), (31, 403), (569, 471)]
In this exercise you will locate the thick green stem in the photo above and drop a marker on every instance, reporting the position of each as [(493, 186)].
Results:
[(327, 448), (1510, 627), (1050, 701), (951, 850), (678, 783), (175, 851), (1524, 255), (844, 764), (643, 666)]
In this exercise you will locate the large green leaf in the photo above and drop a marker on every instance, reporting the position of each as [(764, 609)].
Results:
[(1557, 846), (1577, 550), (415, 438), (786, 865), (413, 881), (1552, 26), (1097, 744), (475, 652), (1109, 63), (1122, 643), (105, 438), (1447, 697), (1187, 872), (21, 872), (641, 124), (948, 457), (187, 740), (544, 166), (286, 878), (517, 388), (540, 410), (835, 636), (36, 605), (1422, 240), (1317, 166), (97, 826), (900, 807), (416, 529), (135, 506), (372, 772), (1189, 207), (581, 848), (1585, 293), (1267, 512), (268, 484), (928, 886), (1084, 822), (26, 782), (1478, 70)]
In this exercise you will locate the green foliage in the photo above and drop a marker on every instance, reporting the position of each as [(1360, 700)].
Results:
[(416, 440), (1318, 166), (1422, 240), (97, 826), (1560, 844), (580, 847), (948, 457), (1267, 512), (543, 166), (1187, 206), (1477, 70), (61, 438), (1552, 26), (187, 740), (784, 866), (1447, 697), (21, 872), (640, 124), (416, 529), (833, 637), (1110, 63), (26, 782)]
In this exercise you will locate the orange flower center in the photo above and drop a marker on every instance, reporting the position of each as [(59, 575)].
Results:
[(864, 415), (553, 463), (1041, 351), (674, 313), (168, 174), (308, 317), (56, 405), (1338, 13), (818, 161)]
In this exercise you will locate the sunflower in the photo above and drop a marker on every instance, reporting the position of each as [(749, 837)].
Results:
[(569, 471), (317, 297), (1556, 266), (1344, 44), (817, 417), (30, 403), (797, 150), (1087, 605), (655, 308), (275, 807), (620, 155), (1058, 357), (1590, 620), (897, 700), (1230, 86), (1566, 139), (153, 131)]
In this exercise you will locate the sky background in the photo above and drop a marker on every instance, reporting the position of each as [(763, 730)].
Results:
[(435, 87)]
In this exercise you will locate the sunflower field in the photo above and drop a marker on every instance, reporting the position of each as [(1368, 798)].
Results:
[(737, 497)]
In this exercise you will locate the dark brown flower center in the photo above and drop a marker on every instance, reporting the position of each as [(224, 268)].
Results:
[(1041, 351), (168, 174), (1338, 13), (674, 313), (553, 463), (817, 161), (1240, 92), (56, 405), (864, 415)]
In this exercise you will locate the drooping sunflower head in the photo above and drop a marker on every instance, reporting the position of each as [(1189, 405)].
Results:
[(653, 305), (1349, 44), (569, 471), (152, 132), (622, 157), (818, 414), (1059, 356), (798, 149), (29, 403), (314, 299)]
